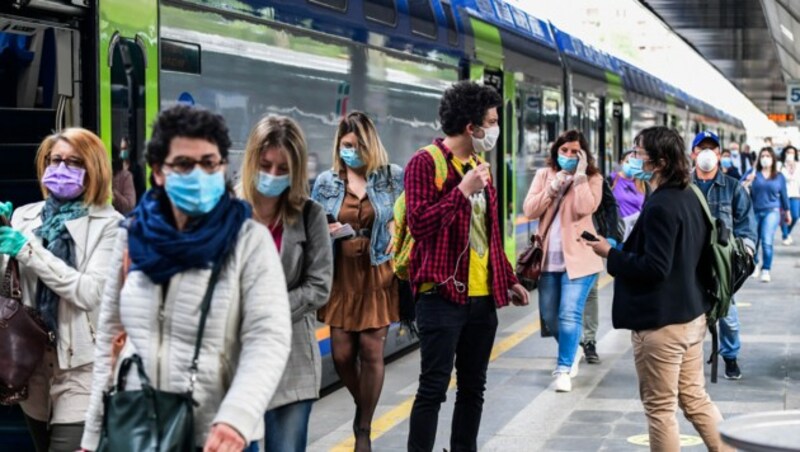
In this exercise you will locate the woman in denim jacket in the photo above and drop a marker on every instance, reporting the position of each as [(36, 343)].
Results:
[(359, 192)]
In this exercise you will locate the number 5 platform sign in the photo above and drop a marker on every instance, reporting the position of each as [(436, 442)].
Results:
[(793, 93)]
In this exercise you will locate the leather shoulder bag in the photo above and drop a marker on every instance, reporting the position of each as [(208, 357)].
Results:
[(151, 419), (23, 337)]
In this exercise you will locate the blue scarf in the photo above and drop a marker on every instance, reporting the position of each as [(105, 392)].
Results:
[(159, 250), (56, 238)]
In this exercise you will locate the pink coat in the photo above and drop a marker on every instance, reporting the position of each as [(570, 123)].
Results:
[(577, 208)]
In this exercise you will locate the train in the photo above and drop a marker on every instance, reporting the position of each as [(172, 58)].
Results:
[(111, 65)]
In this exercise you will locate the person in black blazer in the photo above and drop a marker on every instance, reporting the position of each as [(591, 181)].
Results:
[(659, 295)]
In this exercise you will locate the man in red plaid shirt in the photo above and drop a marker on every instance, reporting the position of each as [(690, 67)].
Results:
[(458, 266)]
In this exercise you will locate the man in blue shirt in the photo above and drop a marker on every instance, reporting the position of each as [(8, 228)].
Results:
[(730, 203)]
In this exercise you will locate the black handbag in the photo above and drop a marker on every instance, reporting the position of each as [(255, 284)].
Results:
[(149, 419)]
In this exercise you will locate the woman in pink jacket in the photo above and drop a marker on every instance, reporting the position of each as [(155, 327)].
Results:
[(563, 197)]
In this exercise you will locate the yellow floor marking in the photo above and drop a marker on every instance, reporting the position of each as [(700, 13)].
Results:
[(401, 412), (743, 304), (685, 440)]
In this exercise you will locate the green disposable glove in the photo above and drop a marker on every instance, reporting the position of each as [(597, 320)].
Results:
[(5, 210), (11, 241)]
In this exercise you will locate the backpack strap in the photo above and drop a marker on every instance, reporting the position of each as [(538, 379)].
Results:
[(439, 163)]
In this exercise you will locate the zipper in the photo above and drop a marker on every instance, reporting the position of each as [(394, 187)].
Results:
[(161, 318)]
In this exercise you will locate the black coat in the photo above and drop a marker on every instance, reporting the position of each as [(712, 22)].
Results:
[(658, 272)]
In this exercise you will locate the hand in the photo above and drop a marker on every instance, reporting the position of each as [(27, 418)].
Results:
[(475, 180), (557, 184), (5, 210), (600, 247), (583, 163), (788, 217), (521, 298), (224, 438), (11, 241), (333, 227)]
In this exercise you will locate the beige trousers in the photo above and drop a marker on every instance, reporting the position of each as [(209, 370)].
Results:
[(669, 363)]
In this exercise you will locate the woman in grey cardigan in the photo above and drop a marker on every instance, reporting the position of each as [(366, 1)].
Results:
[(274, 181)]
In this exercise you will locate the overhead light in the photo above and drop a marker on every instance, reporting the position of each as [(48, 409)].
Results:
[(786, 32)]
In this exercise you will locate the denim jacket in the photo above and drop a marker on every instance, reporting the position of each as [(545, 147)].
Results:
[(382, 191), (729, 202)]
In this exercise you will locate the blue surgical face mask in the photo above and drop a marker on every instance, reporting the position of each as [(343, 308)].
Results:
[(567, 163), (726, 162), (272, 186), (636, 166), (627, 170), (195, 193), (351, 158)]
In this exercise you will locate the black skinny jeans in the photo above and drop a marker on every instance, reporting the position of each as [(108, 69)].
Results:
[(447, 331)]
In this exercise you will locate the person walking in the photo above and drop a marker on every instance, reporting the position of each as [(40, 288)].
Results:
[(563, 196), (360, 192), (791, 172), (768, 191), (188, 235), (659, 294), (63, 245), (275, 183), (458, 268)]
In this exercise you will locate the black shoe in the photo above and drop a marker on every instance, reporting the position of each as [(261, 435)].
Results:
[(732, 371), (590, 352)]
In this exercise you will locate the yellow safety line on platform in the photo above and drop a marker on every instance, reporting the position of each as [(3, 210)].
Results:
[(401, 412)]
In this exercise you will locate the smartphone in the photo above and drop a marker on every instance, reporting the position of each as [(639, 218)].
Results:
[(586, 235), (330, 218)]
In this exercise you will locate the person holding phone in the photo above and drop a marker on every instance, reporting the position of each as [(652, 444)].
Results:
[(563, 196), (359, 194)]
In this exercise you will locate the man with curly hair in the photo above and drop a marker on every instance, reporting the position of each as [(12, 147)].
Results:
[(458, 268)]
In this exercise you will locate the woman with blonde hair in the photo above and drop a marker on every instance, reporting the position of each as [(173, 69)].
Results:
[(275, 183), (63, 245), (359, 193)]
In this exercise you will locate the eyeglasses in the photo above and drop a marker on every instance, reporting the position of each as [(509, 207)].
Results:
[(71, 162), (639, 153), (184, 165)]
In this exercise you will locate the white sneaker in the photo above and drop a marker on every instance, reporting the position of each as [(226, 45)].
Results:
[(788, 241), (573, 371), (757, 272), (765, 276), (563, 382)]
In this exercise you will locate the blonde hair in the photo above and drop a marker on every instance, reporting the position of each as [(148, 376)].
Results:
[(284, 134), (369, 147), (97, 183)]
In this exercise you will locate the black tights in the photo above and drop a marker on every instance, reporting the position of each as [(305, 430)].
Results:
[(363, 377)]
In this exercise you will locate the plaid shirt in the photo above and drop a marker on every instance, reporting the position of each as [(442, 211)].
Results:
[(439, 222)]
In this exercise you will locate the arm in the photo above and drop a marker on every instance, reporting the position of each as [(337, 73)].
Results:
[(265, 334), (315, 288), (124, 196), (588, 194), (108, 326), (84, 289), (427, 210), (744, 219), (538, 199), (654, 264), (784, 194)]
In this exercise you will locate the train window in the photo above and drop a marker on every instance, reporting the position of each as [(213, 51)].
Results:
[(422, 19), (180, 56), (340, 5), (452, 33), (383, 11)]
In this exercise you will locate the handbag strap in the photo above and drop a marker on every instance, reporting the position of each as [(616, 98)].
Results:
[(555, 212), (204, 308)]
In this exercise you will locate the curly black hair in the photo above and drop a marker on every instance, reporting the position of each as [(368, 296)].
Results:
[(466, 103), (188, 122)]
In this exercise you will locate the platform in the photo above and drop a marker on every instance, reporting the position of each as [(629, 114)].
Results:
[(603, 412)]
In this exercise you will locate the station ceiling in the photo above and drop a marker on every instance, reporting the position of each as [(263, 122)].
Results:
[(754, 43)]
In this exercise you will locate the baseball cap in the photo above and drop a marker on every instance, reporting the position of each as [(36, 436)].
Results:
[(705, 136)]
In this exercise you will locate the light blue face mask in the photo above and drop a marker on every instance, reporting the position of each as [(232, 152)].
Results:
[(195, 193), (351, 158), (627, 170), (272, 186), (726, 162), (637, 171), (567, 163)]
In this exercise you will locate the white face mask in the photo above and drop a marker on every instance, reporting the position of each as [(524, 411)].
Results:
[(766, 162), (486, 144), (707, 160)]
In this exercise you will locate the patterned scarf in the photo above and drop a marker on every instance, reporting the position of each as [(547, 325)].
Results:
[(57, 240)]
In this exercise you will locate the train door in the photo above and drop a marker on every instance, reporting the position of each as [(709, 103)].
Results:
[(613, 133), (128, 79)]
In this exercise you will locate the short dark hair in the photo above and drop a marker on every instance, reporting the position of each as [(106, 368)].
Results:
[(783, 154), (666, 150), (466, 103), (188, 122), (568, 137)]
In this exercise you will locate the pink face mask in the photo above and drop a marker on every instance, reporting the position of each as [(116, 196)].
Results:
[(63, 182)]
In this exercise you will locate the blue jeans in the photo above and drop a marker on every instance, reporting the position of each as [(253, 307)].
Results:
[(287, 427), (729, 343), (794, 208), (561, 301), (767, 225)]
